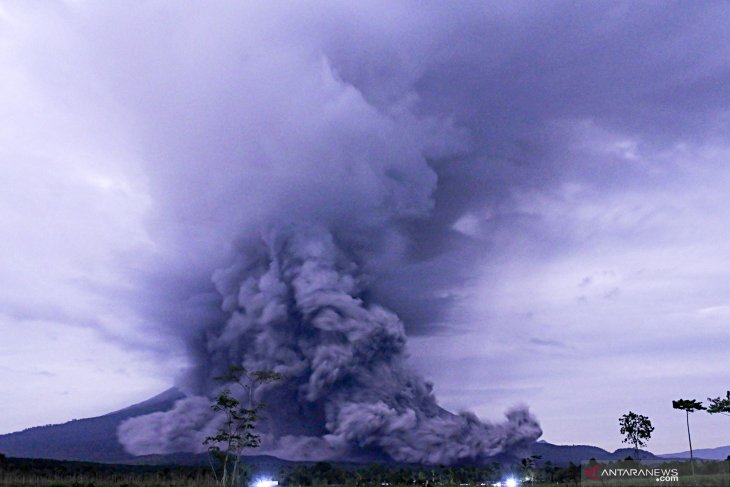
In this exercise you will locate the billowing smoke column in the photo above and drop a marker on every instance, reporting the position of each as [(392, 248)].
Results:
[(313, 160), (297, 305)]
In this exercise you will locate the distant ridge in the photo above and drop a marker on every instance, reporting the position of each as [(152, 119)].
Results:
[(91, 439), (719, 453), (564, 454)]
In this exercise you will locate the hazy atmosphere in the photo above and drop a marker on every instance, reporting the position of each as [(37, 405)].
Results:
[(535, 194)]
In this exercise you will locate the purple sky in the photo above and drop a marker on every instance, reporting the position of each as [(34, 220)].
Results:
[(567, 165)]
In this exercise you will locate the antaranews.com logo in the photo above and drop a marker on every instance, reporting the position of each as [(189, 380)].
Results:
[(661, 474), (631, 473)]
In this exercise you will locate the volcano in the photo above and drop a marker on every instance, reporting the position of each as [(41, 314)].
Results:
[(90, 439)]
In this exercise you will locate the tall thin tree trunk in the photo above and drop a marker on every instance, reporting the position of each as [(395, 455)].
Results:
[(236, 473), (224, 481), (212, 467), (691, 454)]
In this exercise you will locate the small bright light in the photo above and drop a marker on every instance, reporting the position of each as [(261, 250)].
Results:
[(266, 483), (510, 482)]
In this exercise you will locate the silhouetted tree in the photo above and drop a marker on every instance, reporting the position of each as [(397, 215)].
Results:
[(550, 470), (573, 472), (689, 406), (527, 466), (237, 431), (719, 405), (636, 429)]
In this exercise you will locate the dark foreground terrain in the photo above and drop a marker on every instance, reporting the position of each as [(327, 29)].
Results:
[(23, 472), (39, 472)]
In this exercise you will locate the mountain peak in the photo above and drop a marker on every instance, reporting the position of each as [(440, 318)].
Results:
[(90, 439)]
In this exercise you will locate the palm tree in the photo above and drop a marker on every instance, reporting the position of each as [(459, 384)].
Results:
[(689, 406)]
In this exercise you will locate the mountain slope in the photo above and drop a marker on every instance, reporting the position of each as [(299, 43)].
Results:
[(719, 453), (563, 454), (91, 439)]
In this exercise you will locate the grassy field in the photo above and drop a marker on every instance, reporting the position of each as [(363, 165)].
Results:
[(46, 473), (204, 479), (20, 472)]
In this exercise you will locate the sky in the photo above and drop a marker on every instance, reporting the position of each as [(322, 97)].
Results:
[(551, 179)]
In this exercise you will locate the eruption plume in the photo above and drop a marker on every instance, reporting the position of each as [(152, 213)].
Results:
[(298, 305), (313, 159)]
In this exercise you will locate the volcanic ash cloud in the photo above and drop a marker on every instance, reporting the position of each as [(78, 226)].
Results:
[(296, 303), (324, 172)]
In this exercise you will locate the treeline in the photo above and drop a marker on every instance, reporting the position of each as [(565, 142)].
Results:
[(33, 472), (528, 472), (56, 473), (52, 473), (323, 473)]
